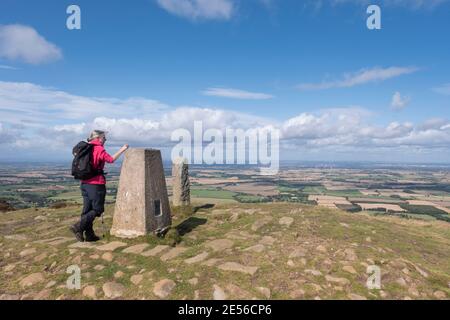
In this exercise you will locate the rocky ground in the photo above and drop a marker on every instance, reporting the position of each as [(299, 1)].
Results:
[(228, 251)]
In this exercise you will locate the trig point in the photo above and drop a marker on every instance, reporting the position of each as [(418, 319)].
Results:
[(142, 204), (181, 184)]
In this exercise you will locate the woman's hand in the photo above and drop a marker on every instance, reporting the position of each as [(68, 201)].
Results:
[(121, 150)]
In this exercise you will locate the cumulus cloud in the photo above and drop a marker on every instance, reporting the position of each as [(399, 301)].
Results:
[(59, 118), (8, 135), (78, 128), (2, 134), (7, 67), (22, 102), (23, 43), (399, 102), (156, 130), (349, 127), (329, 123), (199, 9), (236, 94), (361, 77), (331, 128), (41, 118)]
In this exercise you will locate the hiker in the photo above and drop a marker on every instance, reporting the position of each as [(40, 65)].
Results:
[(93, 189)]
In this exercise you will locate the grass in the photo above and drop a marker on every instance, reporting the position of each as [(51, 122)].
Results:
[(213, 193), (314, 190), (343, 193), (286, 189), (392, 241)]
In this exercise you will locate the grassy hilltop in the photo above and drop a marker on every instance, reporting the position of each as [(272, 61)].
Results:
[(229, 250)]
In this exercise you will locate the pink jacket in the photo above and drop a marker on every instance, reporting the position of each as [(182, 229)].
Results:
[(99, 157)]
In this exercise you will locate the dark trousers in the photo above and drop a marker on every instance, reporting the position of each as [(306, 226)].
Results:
[(93, 204)]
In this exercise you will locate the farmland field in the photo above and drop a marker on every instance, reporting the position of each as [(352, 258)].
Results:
[(320, 225), (415, 193)]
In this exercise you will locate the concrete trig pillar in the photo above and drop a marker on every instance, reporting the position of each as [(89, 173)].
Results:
[(142, 204)]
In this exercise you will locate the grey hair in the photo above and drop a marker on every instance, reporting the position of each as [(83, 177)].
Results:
[(95, 134)]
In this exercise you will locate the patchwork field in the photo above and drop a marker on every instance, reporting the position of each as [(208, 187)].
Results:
[(413, 193), (381, 206), (328, 201), (257, 189), (428, 203)]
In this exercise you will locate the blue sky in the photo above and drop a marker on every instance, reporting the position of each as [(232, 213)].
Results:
[(311, 68)]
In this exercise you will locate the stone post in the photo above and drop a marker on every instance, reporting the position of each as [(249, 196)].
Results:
[(181, 186)]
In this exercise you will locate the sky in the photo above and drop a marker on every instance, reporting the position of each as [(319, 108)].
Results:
[(336, 90)]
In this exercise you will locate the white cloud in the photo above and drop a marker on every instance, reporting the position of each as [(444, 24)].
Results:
[(7, 135), (399, 102), (332, 122), (327, 129), (349, 127), (199, 9), (2, 134), (61, 117), (444, 89), (236, 94), (361, 77), (19, 42), (434, 124), (22, 102), (78, 128), (46, 119), (2, 66), (158, 129)]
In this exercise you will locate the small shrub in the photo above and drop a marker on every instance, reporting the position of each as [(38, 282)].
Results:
[(58, 205), (5, 206), (183, 211), (171, 238)]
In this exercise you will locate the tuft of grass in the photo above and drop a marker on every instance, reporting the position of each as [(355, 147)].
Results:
[(171, 238), (183, 211)]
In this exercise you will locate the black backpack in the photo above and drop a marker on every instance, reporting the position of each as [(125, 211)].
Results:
[(82, 168)]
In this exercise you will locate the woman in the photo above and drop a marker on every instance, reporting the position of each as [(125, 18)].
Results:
[(94, 189)]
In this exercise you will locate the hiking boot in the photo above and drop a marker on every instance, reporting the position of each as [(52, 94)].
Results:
[(90, 236), (77, 232)]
